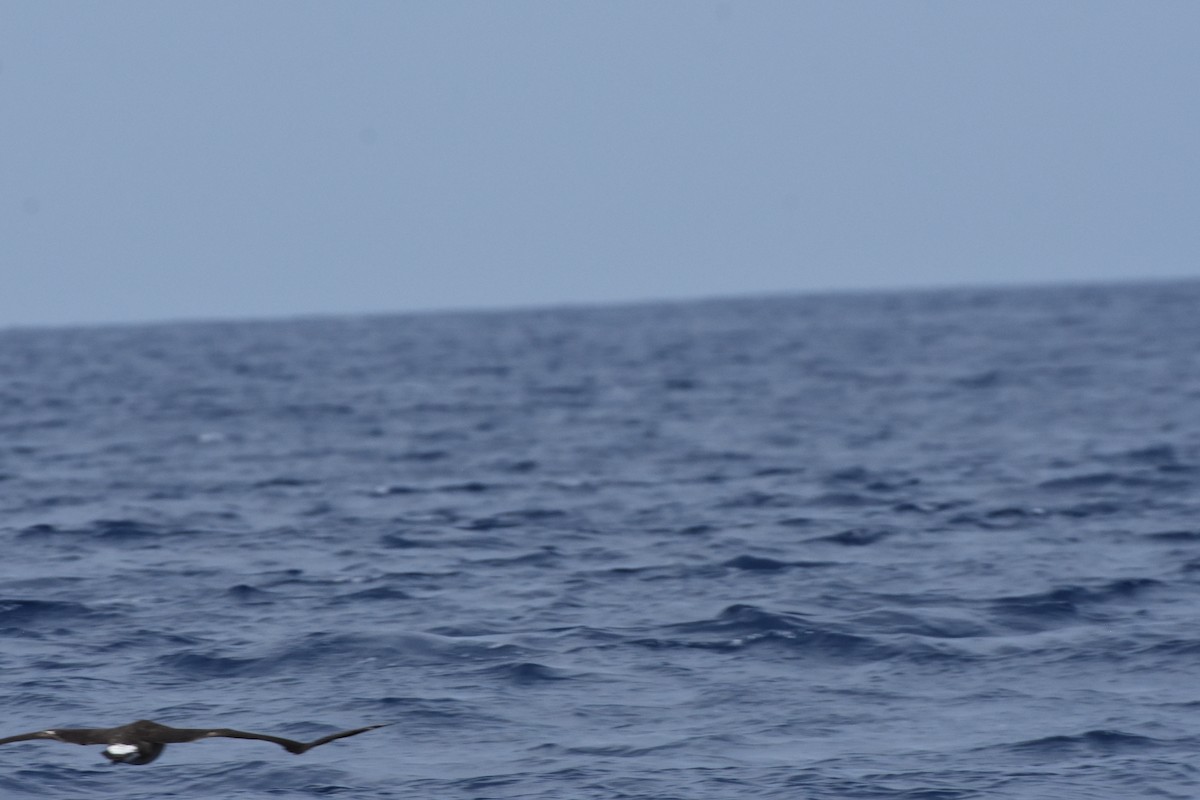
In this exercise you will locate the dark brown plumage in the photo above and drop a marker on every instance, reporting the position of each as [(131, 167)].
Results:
[(143, 741)]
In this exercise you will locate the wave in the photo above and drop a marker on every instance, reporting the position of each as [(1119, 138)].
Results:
[(345, 652), (617, 750), (1100, 740), (1000, 518), (1068, 602), (515, 519), (749, 563), (742, 626), (25, 614), (856, 537), (757, 499), (548, 556), (526, 673), (1185, 535), (116, 531), (377, 593), (249, 595), (233, 778), (202, 665), (1091, 481)]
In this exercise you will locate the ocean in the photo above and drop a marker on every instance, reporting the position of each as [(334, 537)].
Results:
[(924, 546)]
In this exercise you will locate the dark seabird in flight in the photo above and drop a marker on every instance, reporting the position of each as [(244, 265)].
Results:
[(143, 741)]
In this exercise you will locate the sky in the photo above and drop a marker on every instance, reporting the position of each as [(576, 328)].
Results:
[(251, 158)]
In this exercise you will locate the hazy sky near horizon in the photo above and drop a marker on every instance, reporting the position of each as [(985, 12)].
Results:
[(248, 159)]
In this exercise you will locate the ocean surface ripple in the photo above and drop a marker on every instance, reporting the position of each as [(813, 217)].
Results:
[(918, 546)]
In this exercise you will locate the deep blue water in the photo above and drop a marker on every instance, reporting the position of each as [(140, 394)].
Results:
[(923, 546)]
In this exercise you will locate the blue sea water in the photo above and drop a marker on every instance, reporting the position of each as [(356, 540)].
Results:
[(927, 545)]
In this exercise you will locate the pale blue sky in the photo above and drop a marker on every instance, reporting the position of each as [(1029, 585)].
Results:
[(168, 160)]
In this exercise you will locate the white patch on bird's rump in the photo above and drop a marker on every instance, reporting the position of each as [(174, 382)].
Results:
[(121, 749)]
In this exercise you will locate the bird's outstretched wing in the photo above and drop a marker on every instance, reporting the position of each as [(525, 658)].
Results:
[(69, 735), (291, 745)]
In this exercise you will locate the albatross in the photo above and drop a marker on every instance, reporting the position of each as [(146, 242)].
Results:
[(143, 741)]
